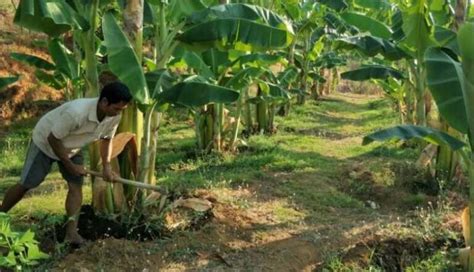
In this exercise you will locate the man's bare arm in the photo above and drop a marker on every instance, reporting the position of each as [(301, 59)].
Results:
[(61, 152), (105, 154)]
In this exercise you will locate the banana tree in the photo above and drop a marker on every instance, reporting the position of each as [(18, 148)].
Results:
[(241, 27), (452, 85), (188, 92)]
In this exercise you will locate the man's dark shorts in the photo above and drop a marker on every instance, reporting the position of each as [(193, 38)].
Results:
[(38, 165)]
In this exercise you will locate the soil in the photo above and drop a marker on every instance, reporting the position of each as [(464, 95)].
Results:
[(395, 254)]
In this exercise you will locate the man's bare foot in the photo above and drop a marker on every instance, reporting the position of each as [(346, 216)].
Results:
[(74, 239)]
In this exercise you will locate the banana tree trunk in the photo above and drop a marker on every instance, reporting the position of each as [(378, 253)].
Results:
[(235, 131), (248, 112), (132, 118), (335, 80)]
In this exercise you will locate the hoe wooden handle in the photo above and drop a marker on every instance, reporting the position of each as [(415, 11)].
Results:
[(130, 182)]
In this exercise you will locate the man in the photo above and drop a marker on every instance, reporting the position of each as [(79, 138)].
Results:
[(58, 137)]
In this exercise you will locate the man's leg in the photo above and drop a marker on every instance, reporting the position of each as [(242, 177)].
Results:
[(37, 165), (73, 201), (73, 208), (12, 196)]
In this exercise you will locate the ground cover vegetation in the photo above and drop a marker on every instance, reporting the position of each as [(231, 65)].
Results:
[(257, 119)]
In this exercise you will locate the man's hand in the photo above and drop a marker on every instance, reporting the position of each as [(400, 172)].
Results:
[(75, 169), (108, 174)]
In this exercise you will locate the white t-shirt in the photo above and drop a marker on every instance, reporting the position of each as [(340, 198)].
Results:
[(75, 123)]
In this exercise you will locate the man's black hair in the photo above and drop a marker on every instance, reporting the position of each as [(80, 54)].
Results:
[(116, 92)]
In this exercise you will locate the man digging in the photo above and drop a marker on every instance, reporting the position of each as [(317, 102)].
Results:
[(59, 136)]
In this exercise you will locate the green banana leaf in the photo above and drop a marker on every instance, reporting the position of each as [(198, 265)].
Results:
[(258, 59), (122, 60), (5, 81), (244, 77), (372, 46), (316, 77), (292, 9), (216, 60), (180, 9), (372, 72), (335, 22), (64, 60), (55, 80), (238, 26), (417, 28), (337, 5), (445, 80), (191, 60), (442, 11), (51, 17), (397, 26), (159, 81), (330, 60), (407, 132), (288, 76), (447, 38), (196, 94), (373, 4), (270, 93), (33, 61), (367, 24)]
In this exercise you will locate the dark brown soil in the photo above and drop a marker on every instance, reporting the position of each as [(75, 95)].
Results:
[(395, 254)]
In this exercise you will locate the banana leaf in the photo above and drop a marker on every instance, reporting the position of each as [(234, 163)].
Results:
[(33, 61), (447, 38), (159, 81), (216, 60), (192, 60), (371, 46), (445, 80), (288, 76), (367, 24), (64, 60), (258, 59), (373, 4), (397, 26), (244, 77), (372, 72), (407, 132), (51, 17), (238, 26), (337, 5), (329, 60), (122, 60), (417, 28), (196, 94), (5, 81), (316, 77), (55, 80), (180, 9)]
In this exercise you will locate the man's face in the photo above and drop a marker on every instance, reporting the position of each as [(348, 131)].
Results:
[(112, 109)]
